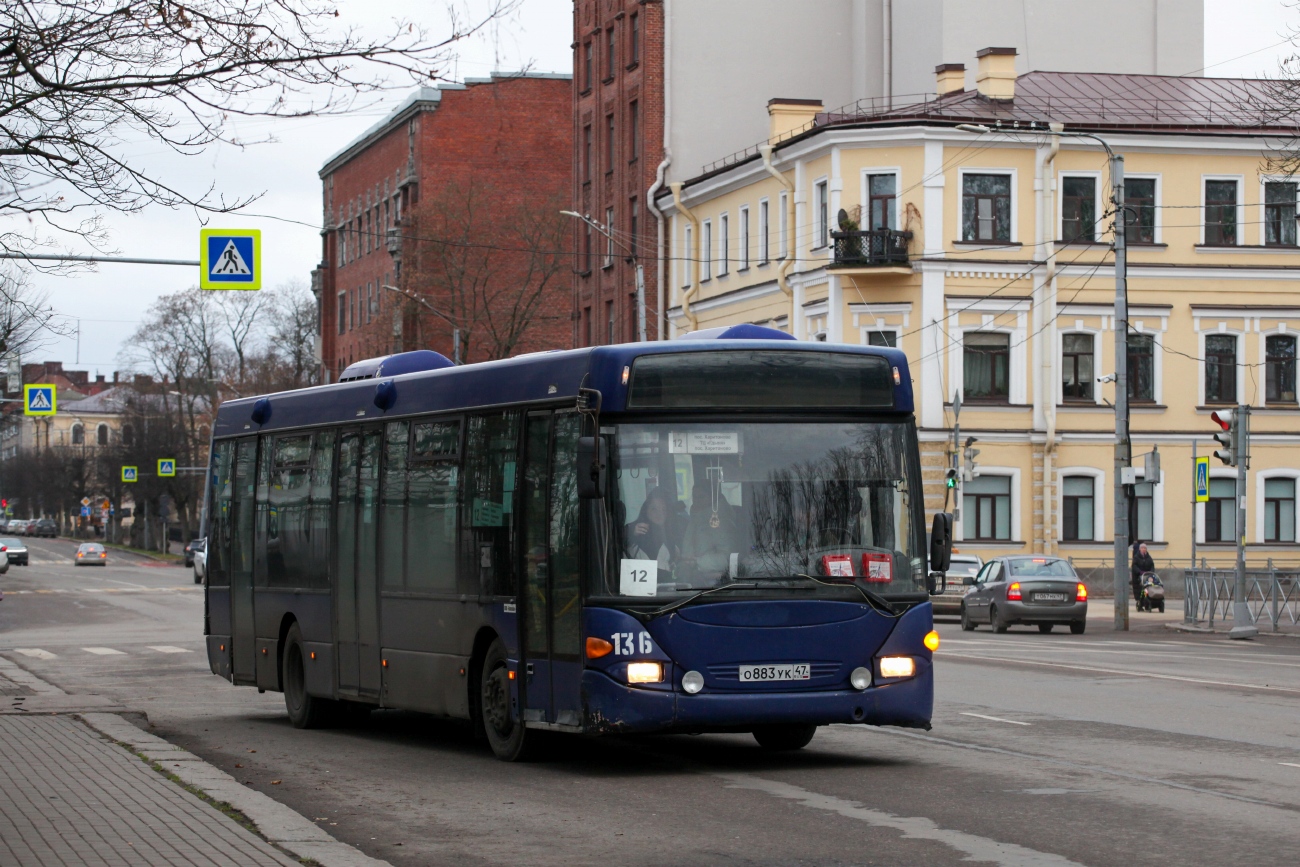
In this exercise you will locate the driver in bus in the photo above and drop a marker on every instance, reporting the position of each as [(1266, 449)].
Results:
[(712, 535), (651, 536)]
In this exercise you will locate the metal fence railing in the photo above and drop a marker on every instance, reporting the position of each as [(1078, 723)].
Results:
[(1271, 594)]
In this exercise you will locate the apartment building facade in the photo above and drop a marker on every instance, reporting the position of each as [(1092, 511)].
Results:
[(986, 256)]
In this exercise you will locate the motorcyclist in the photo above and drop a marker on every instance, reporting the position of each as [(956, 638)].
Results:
[(1141, 563)]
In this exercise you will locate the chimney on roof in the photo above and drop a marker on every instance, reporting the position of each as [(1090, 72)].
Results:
[(790, 116), (995, 78), (951, 78)]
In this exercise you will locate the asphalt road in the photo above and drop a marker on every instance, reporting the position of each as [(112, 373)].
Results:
[(1144, 748)]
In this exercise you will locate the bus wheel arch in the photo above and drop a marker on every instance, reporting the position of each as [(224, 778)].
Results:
[(287, 622), (482, 643)]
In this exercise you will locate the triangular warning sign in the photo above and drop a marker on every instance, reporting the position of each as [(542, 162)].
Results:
[(40, 400), (230, 262)]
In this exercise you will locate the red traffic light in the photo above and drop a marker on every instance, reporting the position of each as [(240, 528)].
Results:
[(1222, 417)]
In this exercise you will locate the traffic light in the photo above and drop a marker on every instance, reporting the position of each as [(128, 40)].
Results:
[(950, 477), (1229, 420), (969, 454)]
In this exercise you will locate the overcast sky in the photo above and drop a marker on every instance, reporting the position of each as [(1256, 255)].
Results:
[(1243, 38)]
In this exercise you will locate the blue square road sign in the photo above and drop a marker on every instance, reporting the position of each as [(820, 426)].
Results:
[(230, 259)]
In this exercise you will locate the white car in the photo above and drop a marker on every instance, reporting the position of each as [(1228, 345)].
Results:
[(200, 562), (4, 559), (961, 566)]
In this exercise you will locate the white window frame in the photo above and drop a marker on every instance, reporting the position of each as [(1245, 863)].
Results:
[(864, 192), (724, 244), (1229, 473), (1273, 179), (962, 171), (865, 332), (1098, 477), (1260, 478), (783, 225), (1241, 205), (1157, 360), (1200, 365), (1096, 360), (706, 251), (1280, 331), (1096, 204), (959, 529), (764, 231), (821, 221), (742, 242), (1157, 507), (1017, 386), (1159, 215)]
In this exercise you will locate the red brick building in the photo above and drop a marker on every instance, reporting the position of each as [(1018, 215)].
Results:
[(454, 200), (618, 115)]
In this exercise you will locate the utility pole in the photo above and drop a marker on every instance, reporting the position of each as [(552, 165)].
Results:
[(1122, 453), (1243, 624), (956, 457), (1194, 501), (631, 257)]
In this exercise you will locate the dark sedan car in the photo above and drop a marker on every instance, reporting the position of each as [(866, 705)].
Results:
[(1039, 591), (45, 527)]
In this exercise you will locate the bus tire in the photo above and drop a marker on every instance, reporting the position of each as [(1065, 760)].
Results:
[(305, 711), (509, 739), (785, 736)]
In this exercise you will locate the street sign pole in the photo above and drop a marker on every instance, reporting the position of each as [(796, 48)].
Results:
[(1195, 500)]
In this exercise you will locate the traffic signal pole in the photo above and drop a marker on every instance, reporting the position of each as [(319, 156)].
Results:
[(1243, 624), (1121, 394)]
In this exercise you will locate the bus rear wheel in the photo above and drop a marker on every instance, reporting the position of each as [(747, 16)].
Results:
[(305, 711), (506, 735), (785, 736)]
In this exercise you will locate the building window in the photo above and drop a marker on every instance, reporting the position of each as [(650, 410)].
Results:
[(128, 435), (609, 237), (878, 337), (1279, 213), (634, 39), (611, 144), (1141, 367), (1279, 372), (586, 152), (882, 201), (764, 229), (783, 225), (611, 56), (724, 246), (986, 360), (587, 62), (78, 435), (609, 322), (633, 131), (632, 332), (1078, 209), (742, 249), (986, 208), (821, 216), (588, 247), (1077, 509), (634, 225), (688, 251), (1144, 498), (342, 313), (1221, 213), (101, 435), (986, 508), (1220, 368), (1076, 366), (1140, 210), (1221, 511), (706, 250), (586, 326), (1279, 510)]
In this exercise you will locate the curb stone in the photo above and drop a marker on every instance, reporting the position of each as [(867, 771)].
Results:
[(1205, 630)]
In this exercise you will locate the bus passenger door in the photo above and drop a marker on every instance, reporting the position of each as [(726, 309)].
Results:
[(356, 601), (368, 661), (566, 572), (345, 561), (534, 598), (243, 641)]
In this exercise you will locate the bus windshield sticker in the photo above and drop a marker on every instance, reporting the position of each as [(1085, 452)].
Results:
[(486, 513), (704, 443), (638, 577), (878, 568)]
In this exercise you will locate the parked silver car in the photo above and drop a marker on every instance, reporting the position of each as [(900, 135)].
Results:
[(1039, 591), (200, 559), (961, 567)]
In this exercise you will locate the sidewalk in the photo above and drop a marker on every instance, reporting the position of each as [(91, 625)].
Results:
[(82, 786)]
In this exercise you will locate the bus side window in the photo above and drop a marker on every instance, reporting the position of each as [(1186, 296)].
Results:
[(431, 506), (392, 506), (566, 554), (218, 566), (491, 455), (317, 567)]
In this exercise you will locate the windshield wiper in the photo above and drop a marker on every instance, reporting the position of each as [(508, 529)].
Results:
[(668, 609), (875, 600)]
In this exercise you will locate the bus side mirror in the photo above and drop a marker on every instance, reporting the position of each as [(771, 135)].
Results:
[(941, 542), (593, 457)]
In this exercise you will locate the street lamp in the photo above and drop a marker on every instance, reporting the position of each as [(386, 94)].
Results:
[(640, 271), (1123, 447), (455, 329)]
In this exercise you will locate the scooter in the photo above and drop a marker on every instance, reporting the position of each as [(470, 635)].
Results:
[(1153, 593)]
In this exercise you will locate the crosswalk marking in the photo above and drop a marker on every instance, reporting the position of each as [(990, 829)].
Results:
[(34, 652), (103, 651), (167, 648), (38, 653)]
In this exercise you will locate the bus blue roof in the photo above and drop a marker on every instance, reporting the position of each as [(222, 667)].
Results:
[(536, 377)]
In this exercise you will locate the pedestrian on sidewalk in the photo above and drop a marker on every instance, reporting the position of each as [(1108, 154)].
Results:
[(1141, 563)]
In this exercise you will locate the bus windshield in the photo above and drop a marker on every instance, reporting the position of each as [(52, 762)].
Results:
[(697, 505)]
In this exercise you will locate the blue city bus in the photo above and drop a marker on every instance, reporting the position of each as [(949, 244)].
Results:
[(719, 534)]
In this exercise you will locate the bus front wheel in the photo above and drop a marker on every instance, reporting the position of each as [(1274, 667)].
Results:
[(305, 711), (787, 736), (506, 735)]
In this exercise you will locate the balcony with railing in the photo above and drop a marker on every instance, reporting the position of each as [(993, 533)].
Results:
[(870, 248)]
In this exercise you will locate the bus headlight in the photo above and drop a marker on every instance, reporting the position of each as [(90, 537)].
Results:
[(692, 682), (897, 666), (644, 672), (860, 678)]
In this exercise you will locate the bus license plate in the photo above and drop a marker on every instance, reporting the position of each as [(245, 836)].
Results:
[(764, 673), (1049, 597)]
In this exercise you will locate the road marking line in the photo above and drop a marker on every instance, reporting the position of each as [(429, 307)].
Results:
[(34, 652), (994, 718), (1290, 764), (976, 848), (167, 648), (1197, 680), (104, 651)]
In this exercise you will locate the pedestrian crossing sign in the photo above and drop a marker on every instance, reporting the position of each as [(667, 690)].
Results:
[(130, 474), (39, 399), (166, 467), (230, 259), (1202, 480)]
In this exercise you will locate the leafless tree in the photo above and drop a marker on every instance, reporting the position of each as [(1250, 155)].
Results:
[(26, 318), (242, 318), (83, 81), (292, 329)]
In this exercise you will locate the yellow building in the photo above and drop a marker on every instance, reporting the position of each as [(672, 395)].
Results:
[(987, 257)]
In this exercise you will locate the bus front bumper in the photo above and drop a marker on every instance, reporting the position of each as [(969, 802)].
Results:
[(612, 708)]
